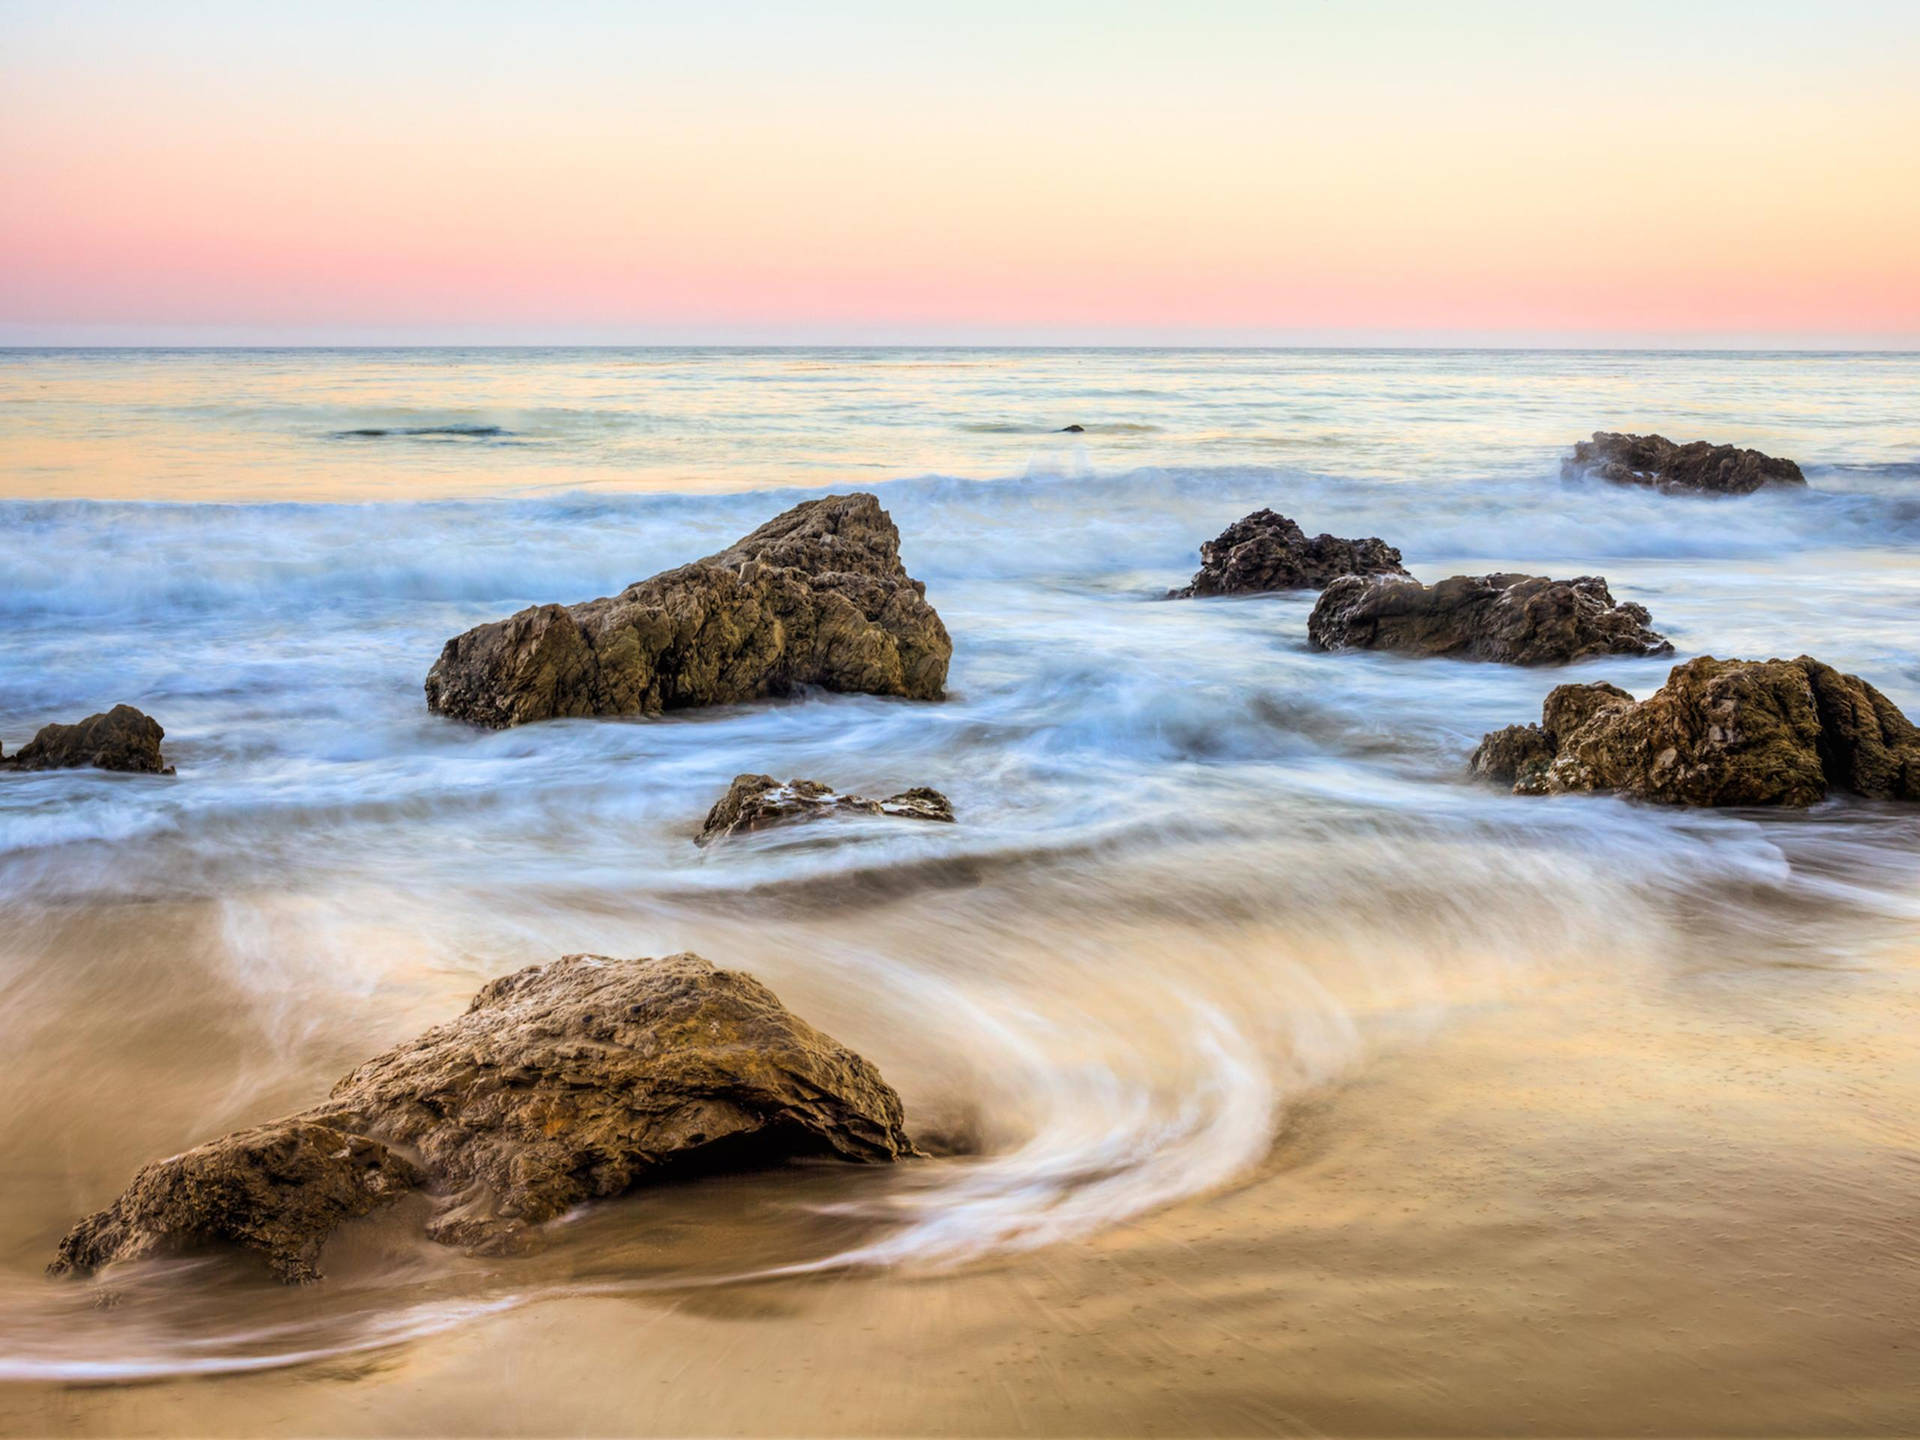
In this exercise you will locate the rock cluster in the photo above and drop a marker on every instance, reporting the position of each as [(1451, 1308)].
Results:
[(563, 1083), (754, 802), (120, 739), (816, 596), (1514, 619), (1695, 468), (1267, 551), (1719, 732)]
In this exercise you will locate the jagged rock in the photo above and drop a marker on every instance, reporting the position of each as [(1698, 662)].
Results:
[(753, 802), (1266, 551), (1514, 619), (120, 739), (1696, 468), (816, 596), (1719, 732), (280, 1189), (562, 1083)]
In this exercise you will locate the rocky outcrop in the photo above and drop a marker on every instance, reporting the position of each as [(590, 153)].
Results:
[(1266, 551), (816, 596), (563, 1083), (1513, 619), (1696, 468), (754, 802), (120, 739), (1719, 732)]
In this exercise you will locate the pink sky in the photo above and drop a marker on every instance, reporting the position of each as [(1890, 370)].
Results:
[(1264, 173)]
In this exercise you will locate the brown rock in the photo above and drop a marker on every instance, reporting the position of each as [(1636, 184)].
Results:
[(120, 739), (1695, 468), (560, 1084), (280, 1189), (1266, 552), (1721, 732), (816, 596), (1514, 619), (754, 802)]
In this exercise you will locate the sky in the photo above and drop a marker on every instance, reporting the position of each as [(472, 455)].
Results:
[(1298, 171)]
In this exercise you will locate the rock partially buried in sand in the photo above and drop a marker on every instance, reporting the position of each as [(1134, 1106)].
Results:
[(563, 1083), (1719, 732), (1696, 468), (754, 802), (120, 739), (280, 1189), (816, 596), (1266, 551), (1512, 619)]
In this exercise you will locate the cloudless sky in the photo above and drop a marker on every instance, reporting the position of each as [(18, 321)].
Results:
[(1300, 170)]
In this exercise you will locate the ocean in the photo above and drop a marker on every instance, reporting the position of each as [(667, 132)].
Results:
[(1380, 1084)]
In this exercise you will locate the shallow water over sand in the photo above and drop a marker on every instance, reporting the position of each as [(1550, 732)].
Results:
[(1303, 1084)]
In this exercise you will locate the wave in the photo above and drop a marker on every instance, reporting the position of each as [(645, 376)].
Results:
[(99, 559)]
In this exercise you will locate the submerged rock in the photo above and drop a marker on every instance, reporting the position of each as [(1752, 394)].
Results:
[(1073, 429), (1266, 551), (122, 738), (753, 802), (562, 1083), (816, 596), (1694, 468), (1719, 732), (1513, 619)]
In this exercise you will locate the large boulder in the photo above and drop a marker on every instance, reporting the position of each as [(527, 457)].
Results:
[(1514, 619), (1267, 551), (753, 802), (816, 596), (1696, 468), (563, 1083), (120, 739), (1719, 732)]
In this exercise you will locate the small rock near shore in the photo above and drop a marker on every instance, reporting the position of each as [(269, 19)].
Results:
[(754, 802), (1719, 732), (1265, 551), (562, 1083), (1696, 468), (1511, 619), (122, 738)]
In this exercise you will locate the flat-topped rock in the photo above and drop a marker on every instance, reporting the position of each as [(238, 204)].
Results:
[(122, 738), (1512, 619), (1266, 551), (562, 1083), (1696, 468), (816, 596), (1719, 732), (754, 802)]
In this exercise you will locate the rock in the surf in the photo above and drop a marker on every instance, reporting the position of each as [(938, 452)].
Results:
[(562, 1083), (279, 1189), (1696, 468), (1719, 732), (816, 596), (754, 802), (1266, 551), (122, 738), (1512, 619)]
